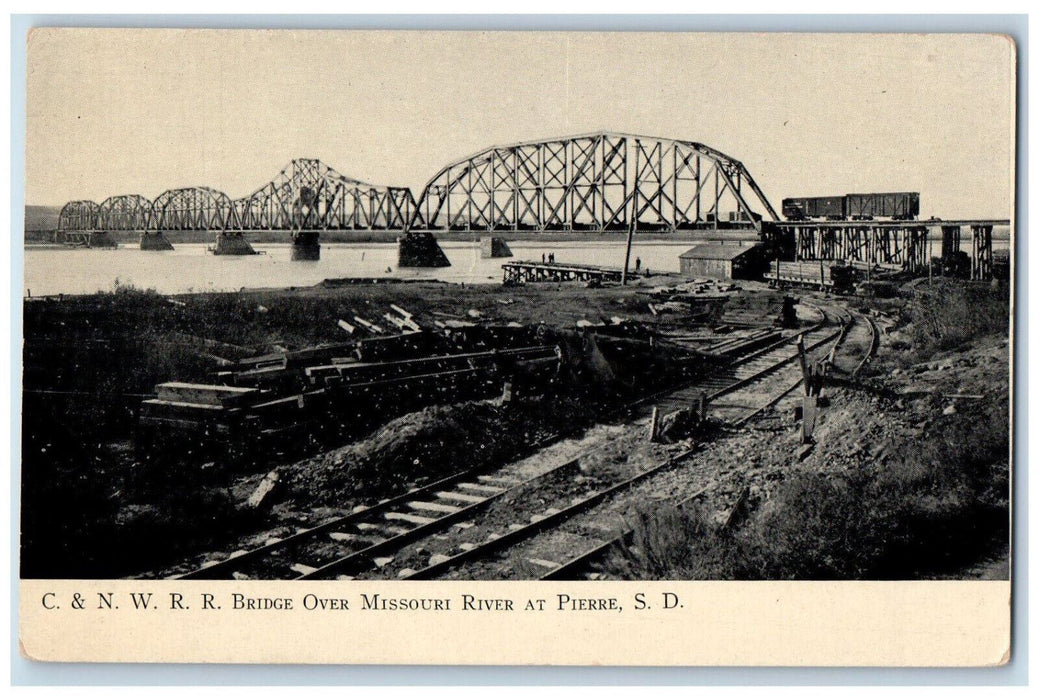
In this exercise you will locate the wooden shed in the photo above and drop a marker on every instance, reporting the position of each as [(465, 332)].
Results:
[(721, 261)]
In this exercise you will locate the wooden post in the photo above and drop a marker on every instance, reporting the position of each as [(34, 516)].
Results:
[(869, 254), (627, 247), (808, 413), (804, 363), (653, 424)]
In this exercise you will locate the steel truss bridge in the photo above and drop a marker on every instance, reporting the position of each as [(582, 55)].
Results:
[(593, 182), (305, 195), (309, 195), (596, 182)]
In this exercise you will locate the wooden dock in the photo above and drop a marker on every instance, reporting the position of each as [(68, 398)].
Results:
[(523, 271)]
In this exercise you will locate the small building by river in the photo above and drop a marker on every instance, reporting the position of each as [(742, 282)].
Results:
[(721, 261)]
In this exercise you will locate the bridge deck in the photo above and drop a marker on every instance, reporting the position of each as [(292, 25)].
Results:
[(533, 271), (868, 224)]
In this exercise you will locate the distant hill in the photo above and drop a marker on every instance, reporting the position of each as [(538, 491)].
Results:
[(41, 218)]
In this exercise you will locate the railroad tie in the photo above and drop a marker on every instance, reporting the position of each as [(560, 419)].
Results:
[(303, 569), (433, 507), (463, 497), (409, 518), (545, 563), (497, 479), (348, 537), (482, 488), (393, 532)]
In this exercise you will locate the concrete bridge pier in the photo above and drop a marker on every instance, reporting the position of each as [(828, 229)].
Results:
[(155, 240), (232, 243), (306, 245), (494, 247), (420, 249)]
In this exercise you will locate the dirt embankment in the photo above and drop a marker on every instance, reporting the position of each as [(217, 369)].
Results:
[(428, 445), (909, 477)]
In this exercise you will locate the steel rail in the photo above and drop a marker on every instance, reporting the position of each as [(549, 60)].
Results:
[(548, 521), (229, 565)]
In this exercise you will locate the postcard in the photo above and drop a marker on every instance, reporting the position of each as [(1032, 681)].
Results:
[(575, 348)]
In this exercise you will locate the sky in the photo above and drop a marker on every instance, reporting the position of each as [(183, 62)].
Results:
[(140, 111)]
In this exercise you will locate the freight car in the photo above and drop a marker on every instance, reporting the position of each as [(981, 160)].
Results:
[(805, 208), (838, 278), (896, 206)]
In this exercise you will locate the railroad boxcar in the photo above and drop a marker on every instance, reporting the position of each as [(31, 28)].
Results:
[(801, 208), (898, 206)]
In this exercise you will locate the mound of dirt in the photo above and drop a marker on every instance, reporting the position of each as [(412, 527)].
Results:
[(429, 444)]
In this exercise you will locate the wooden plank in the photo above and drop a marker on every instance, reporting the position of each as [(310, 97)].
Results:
[(808, 417), (433, 507), (210, 394), (478, 487), (409, 518), (466, 497)]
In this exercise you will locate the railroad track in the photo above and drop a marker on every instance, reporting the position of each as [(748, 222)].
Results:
[(578, 566), (367, 541), (874, 345)]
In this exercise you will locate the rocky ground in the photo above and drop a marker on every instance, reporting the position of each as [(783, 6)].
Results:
[(908, 476)]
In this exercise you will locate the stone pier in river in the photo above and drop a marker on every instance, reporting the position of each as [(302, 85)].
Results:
[(155, 240), (232, 244), (420, 250)]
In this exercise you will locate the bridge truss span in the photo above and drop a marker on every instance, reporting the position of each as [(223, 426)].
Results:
[(309, 195), (128, 212), (193, 209), (602, 181), (81, 215)]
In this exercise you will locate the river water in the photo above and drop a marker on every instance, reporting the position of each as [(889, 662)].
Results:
[(190, 268)]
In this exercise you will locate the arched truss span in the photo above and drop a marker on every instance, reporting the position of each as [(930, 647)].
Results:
[(595, 182), (128, 212), (81, 215), (192, 209), (309, 195)]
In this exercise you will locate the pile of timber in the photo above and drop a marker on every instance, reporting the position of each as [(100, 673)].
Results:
[(804, 273), (195, 407), (435, 373), (333, 391)]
